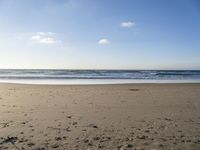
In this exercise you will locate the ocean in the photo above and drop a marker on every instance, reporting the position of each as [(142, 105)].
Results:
[(44, 76)]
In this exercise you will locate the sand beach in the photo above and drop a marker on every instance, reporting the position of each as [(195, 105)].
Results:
[(129, 116)]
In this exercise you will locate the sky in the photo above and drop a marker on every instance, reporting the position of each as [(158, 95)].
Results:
[(100, 34)]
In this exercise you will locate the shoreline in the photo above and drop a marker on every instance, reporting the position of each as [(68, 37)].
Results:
[(96, 82), (100, 85)]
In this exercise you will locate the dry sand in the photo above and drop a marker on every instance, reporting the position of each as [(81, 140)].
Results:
[(134, 116)]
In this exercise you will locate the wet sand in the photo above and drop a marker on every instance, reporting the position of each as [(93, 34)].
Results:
[(130, 116)]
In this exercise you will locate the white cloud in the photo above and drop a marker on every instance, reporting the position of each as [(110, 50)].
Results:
[(127, 24), (36, 37), (104, 42), (44, 38), (48, 40)]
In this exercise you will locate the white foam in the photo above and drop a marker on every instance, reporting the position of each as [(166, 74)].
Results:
[(92, 81)]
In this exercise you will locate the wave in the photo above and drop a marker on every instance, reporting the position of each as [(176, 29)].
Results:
[(99, 74)]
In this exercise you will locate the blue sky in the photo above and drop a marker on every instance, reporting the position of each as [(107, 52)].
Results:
[(100, 34)]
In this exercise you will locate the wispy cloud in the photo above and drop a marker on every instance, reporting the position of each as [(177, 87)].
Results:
[(127, 24), (103, 42), (45, 38)]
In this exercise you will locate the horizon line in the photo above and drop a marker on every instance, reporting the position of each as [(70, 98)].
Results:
[(102, 69)]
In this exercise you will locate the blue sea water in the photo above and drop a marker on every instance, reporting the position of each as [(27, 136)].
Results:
[(98, 76)]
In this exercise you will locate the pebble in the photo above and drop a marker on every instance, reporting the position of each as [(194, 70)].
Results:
[(99, 146), (93, 126), (55, 146), (168, 119), (161, 145), (86, 141), (142, 137), (58, 139), (10, 139), (147, 131), (124, 147), (129, 145), (74, 123), (30, 144), (129, 139), (96, 138)]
